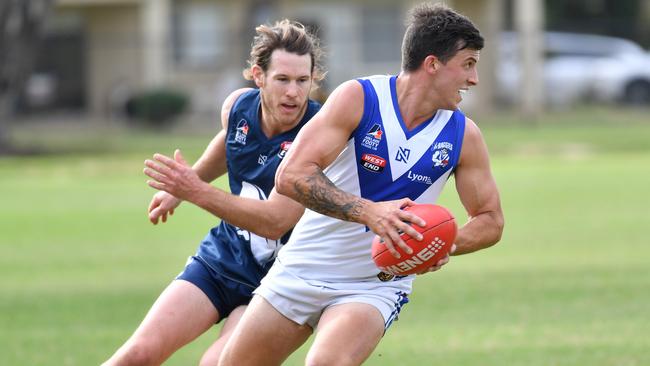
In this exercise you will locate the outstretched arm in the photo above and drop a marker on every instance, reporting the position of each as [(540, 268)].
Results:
[(479, 195), (301, 176), (177, 181), (211, 165), (177, 178)]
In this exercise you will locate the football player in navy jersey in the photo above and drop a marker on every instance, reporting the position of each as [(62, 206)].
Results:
[(259, 126), (379, 143)]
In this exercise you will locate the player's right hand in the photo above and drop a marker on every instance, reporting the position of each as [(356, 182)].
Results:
[(162, 204), (388, 220)]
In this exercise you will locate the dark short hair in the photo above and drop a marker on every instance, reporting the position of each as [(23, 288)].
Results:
[(287, 35), (435, 29)]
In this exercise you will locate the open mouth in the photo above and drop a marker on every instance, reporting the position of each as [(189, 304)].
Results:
[(461, 93), (289, 107)]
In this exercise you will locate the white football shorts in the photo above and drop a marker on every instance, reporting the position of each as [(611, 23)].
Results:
[(304, 301)]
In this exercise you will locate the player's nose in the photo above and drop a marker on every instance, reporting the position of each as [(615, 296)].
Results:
[(292, 90), (473, 78)]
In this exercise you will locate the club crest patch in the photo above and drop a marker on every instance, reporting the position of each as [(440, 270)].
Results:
[(242, 132), (440, 157), (385, 277)]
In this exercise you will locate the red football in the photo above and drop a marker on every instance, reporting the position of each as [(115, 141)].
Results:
[(439, 235)]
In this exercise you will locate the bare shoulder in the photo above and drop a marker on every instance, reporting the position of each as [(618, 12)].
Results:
[(348, 93), (473, 143), (472, 131), (345, 103), (228, 103)]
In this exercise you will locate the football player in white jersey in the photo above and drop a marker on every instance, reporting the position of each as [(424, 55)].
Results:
[(324, 279)]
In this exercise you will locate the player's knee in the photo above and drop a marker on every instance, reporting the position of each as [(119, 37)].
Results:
[(138, 353), (320, 358), (210, 358)]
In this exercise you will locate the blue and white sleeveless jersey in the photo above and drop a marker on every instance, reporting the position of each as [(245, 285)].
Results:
[(252, 160), (382, 161)]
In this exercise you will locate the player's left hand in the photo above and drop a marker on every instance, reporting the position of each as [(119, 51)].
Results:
[(173, 176), (440, 263)]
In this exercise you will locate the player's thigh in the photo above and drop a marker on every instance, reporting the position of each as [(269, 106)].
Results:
[(211, 356), (179, 315), (347, 334), (263, 337)]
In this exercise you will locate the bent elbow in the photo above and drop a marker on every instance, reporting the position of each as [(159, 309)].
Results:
[(271, 226), (273, 235), (277, 232), (499, 223), (283, 182), (283, 186), (278, 227)]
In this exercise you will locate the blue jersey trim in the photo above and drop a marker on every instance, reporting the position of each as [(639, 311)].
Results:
[(374, 164), (408, 133), (402, 299), (369, 105), (460, 121)]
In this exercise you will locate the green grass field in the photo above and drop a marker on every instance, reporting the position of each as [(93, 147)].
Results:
[(569, 284)]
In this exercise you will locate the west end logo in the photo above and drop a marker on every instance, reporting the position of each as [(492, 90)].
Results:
[(284, 147), (242, 132), (372, 162), (440, 155), (403, 155), (373, 137)]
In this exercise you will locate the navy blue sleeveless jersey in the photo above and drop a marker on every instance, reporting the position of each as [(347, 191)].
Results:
[(252, 161)]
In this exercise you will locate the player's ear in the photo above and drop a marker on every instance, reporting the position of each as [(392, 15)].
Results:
[(258, 75), (431, 64)]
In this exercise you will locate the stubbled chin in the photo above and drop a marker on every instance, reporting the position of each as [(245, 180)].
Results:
[(287, 118)]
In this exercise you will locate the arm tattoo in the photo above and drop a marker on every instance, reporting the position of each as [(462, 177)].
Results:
[(318, 193)]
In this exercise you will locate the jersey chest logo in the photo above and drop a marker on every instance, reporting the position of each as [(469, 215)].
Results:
[(403, 155), (261, 160)]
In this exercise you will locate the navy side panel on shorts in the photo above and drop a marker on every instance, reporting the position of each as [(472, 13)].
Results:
[(225, 294)]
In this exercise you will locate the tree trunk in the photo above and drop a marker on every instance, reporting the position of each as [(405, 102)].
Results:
[(21, 23)]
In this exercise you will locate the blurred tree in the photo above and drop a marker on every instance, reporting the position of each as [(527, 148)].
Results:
[(21, 22), (621, 18)]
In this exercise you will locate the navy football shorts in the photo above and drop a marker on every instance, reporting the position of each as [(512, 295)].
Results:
[(224, 293)]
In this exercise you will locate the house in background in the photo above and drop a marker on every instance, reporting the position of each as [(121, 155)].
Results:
[(98, 53)]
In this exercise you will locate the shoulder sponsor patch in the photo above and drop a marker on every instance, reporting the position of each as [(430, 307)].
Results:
[(284, 147), (242, 132), (373, 137)]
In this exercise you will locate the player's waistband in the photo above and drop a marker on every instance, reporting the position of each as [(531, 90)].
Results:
[(378, 279)]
